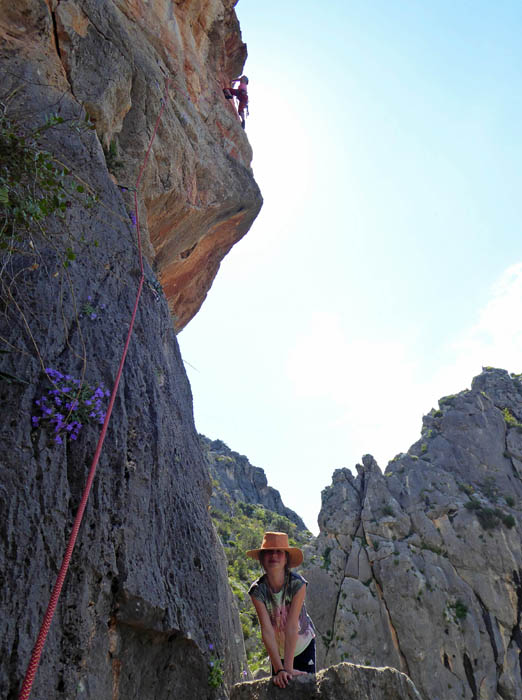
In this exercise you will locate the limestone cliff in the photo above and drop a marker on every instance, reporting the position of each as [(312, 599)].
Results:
[(147, 591), (239, 481), (420, 568), (112, 59)]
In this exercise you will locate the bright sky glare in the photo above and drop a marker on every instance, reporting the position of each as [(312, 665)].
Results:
[(385, 268)]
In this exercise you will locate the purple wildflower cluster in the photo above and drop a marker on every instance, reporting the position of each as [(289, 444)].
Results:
[(90, 311), (69, 405)]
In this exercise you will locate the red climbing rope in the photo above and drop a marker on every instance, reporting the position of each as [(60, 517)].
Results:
[(46, 624)]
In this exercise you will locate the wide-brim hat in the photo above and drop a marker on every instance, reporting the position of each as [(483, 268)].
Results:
[(278, 540)]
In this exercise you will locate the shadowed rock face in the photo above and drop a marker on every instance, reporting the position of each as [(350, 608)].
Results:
[(420, 568), (147, 590), (345, 681), (112, 58)]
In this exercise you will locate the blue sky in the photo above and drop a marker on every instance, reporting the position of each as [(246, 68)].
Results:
[(385, 268)]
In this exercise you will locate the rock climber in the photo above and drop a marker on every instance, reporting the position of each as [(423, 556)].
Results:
[(279, 599), (241, 92)]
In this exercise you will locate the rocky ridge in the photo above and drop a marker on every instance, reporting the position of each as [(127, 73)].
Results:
[(238, 481), (420, 568)]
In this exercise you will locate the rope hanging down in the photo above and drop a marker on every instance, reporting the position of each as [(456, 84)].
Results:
[(53, 601)]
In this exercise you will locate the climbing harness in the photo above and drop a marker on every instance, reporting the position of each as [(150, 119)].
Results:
[(53, 601)]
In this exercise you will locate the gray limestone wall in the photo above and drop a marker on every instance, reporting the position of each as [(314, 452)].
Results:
[(420, 567)]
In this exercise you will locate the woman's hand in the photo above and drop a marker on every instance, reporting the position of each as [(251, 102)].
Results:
[(282, 678)]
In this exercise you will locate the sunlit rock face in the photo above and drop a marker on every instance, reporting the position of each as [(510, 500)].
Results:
[(147, 592), (420, 568), (113, 58)]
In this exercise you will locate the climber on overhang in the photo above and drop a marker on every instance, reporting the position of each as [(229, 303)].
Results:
[(241, 93)]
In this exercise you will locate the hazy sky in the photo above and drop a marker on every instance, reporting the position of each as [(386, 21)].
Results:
[(385, 268)]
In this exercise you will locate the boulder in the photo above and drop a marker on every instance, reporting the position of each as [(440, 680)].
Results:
[(344, 681)]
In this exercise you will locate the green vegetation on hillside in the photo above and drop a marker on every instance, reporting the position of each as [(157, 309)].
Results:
[(240, 530)]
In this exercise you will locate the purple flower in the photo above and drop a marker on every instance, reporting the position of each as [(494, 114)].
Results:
[(54, 373), (93, 316), (89, 298), (62, 396), (102, 306), (133, 218), (211, 646)]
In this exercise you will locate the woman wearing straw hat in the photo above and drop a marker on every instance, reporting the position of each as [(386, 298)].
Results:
[(278, 597)]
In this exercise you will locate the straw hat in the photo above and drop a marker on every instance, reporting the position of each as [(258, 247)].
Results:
[(278, 540)]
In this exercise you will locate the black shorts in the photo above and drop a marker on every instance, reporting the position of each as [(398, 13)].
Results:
[(305, 661)]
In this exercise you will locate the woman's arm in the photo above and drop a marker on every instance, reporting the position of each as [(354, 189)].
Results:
[(291, 629), (269, 640)]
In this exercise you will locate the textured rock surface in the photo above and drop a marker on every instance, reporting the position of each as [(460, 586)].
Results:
[(420, 568), (345, 681), (147, 590), (112, 58), (240, 481)]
